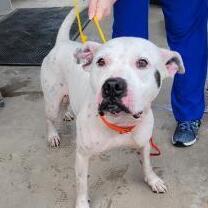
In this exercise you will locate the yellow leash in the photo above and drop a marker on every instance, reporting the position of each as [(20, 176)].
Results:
[(100, 31), (84, 37)]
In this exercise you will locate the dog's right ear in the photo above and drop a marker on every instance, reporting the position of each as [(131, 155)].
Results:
[(85, 54), (173, 62)]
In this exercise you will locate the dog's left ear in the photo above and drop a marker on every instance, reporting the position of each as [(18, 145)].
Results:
[(173, 62), (85, 54)]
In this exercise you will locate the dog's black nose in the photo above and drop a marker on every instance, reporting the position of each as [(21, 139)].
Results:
[(114, 88)]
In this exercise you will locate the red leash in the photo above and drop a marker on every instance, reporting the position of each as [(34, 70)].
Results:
[(155, 147), (128, 129)]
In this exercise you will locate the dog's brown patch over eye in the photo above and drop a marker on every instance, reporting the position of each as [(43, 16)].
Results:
[(101, 62), (141, 63)]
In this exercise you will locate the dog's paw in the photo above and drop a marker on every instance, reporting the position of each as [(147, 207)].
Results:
[(68, 116), (54, 141), (157, 185)]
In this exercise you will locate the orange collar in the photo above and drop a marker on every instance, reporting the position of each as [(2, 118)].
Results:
[(119, 129), (128, 129)]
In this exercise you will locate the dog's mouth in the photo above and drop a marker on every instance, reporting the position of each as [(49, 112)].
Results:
[(115, 107), (112, 106)]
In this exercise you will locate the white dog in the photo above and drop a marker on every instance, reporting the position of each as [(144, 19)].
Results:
[(114, 83)]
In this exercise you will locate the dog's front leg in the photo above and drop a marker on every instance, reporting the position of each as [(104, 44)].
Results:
[(150, 177), (81, 168)]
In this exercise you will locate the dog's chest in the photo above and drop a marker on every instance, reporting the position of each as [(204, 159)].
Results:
[(99, 138)]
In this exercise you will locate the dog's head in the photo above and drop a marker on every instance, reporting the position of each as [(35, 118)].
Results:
[(126, 73)]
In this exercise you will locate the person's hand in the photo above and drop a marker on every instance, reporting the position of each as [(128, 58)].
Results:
[(100, 8)]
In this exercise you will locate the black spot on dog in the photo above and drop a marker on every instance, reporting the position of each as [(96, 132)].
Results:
[(157, 78)]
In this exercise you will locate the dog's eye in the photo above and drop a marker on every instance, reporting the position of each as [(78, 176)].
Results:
[(141, 63), (101, 62)]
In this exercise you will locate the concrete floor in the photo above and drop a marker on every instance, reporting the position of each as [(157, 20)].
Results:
[(32, 175)]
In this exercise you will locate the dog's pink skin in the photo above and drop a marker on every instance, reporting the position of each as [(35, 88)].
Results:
[(128, 100), (99, 98), (172, 69)]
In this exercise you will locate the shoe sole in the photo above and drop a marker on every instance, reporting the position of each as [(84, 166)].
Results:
[(181, 144)]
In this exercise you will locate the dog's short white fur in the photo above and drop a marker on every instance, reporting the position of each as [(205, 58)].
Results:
[(80, 70)]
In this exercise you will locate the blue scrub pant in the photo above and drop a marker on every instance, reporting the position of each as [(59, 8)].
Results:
[(186, 28)]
